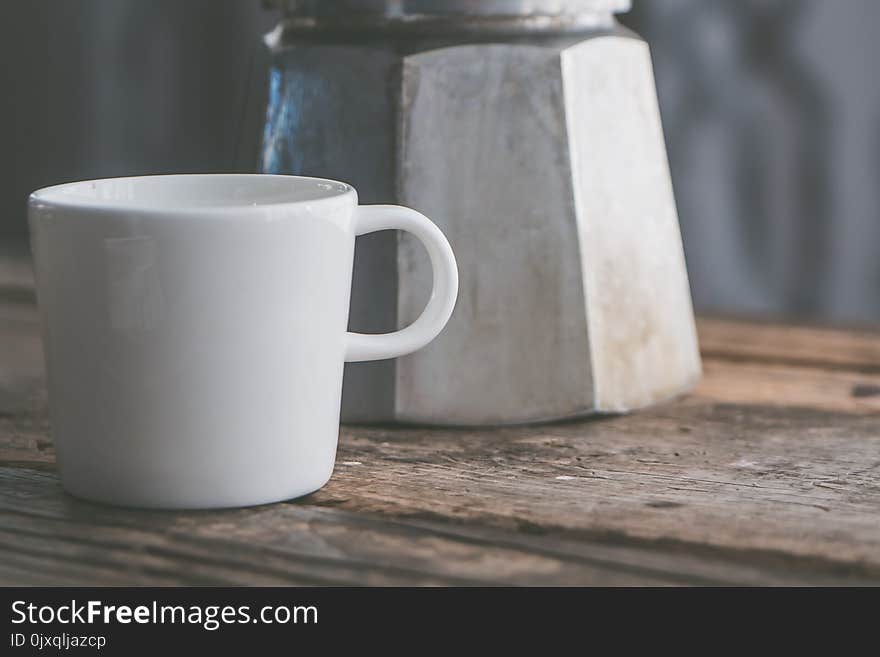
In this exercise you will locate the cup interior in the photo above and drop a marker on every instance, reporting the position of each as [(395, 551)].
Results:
[(196, 191)]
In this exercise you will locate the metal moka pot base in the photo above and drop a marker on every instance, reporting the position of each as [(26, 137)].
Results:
[(538, 149)]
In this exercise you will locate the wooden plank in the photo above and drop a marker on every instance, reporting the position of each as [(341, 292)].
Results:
[(815, 347), (749, 482), (795, 494), (782, 385), (49, 538), (790, 366)]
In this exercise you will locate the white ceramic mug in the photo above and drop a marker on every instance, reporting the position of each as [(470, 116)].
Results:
[(195, 331)]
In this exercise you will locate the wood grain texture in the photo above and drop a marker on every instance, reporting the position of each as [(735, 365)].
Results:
[(779, 385), (47, 537), (820, 347), (768, 474), (731, 478)]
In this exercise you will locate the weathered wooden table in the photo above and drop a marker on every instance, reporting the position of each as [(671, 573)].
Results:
[(768, 474)]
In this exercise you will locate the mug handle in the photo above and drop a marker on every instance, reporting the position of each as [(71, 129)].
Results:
[(372, 218)]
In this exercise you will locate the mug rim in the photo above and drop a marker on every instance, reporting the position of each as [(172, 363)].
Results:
[(74, 195)]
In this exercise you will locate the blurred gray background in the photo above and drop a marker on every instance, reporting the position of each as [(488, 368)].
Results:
[(771, 110)]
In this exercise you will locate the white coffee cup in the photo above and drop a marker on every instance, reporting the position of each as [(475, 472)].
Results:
[(195, 331)]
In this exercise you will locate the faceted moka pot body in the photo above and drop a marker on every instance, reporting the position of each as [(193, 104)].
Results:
[(530, 132)]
